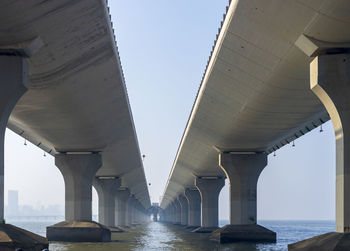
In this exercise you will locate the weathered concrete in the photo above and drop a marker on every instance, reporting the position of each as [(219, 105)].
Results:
[(12, 237), (242, 171), (330, 81), (13, 84), (78, 171), (122, 197), (133, 211), (129, 211), (167, 214), (78, 231), (194, 205), (106, 189), (209, 188), (172, 213), (246, 233), (184, 209), (177, 211), (325, 242)]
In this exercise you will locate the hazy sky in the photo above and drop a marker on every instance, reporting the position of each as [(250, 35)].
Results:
[(164, 46)]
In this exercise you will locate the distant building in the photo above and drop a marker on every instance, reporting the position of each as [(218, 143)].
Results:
[(13, 202)]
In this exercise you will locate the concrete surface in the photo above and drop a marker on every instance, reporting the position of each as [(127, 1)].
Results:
[(194, 206), (106, 189), (326, 242), (78, 231), (209, 188), (12, 237), (244, 233)]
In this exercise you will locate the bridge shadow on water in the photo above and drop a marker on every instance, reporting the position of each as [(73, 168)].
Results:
[(160, 236)]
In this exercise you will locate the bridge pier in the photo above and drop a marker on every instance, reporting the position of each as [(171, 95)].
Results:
[(209, 188), (168, 214), (142, 212), (172, 213), (184, 210), (13, 84), (133, 211), (330, 81), (194, 206), (122, 197), (128, 212), (106, 188), (78, 172), (177, 212), (161, 216), (242, 171)]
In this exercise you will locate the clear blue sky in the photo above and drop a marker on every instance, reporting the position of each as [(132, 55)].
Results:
[(164, 46)]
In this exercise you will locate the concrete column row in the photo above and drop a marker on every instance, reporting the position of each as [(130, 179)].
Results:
[(198, 207), (117, 207)]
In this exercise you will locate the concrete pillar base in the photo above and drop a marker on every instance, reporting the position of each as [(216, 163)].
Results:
[(192, 227), (325, 242), (246, 233), (115, 229), (205, 229), (12, 237), (78, 231)]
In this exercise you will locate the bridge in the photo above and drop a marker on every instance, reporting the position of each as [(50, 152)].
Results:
[(63, 89), (277, 70)]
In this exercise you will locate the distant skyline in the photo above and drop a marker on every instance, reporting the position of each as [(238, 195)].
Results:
[(164, 47)]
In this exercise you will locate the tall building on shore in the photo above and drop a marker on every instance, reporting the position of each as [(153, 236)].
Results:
[(13, 202)]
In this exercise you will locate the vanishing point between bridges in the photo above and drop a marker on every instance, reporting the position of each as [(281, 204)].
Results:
[(277, 70)]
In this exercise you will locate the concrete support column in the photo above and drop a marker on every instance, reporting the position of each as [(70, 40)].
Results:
[(184, 210), (242, 171), (177, 212), (172, 213), (209, 188), (14, 83), (330, 82), (135, 211), (161, 215), (167, 214), (78, 171), (122, 197), (194, 205), (129, 210), (106, 189)]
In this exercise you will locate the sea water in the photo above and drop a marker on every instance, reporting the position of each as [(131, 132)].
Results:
[(162, 236)]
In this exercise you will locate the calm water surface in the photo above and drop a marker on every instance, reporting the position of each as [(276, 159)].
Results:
[(161, 236)]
